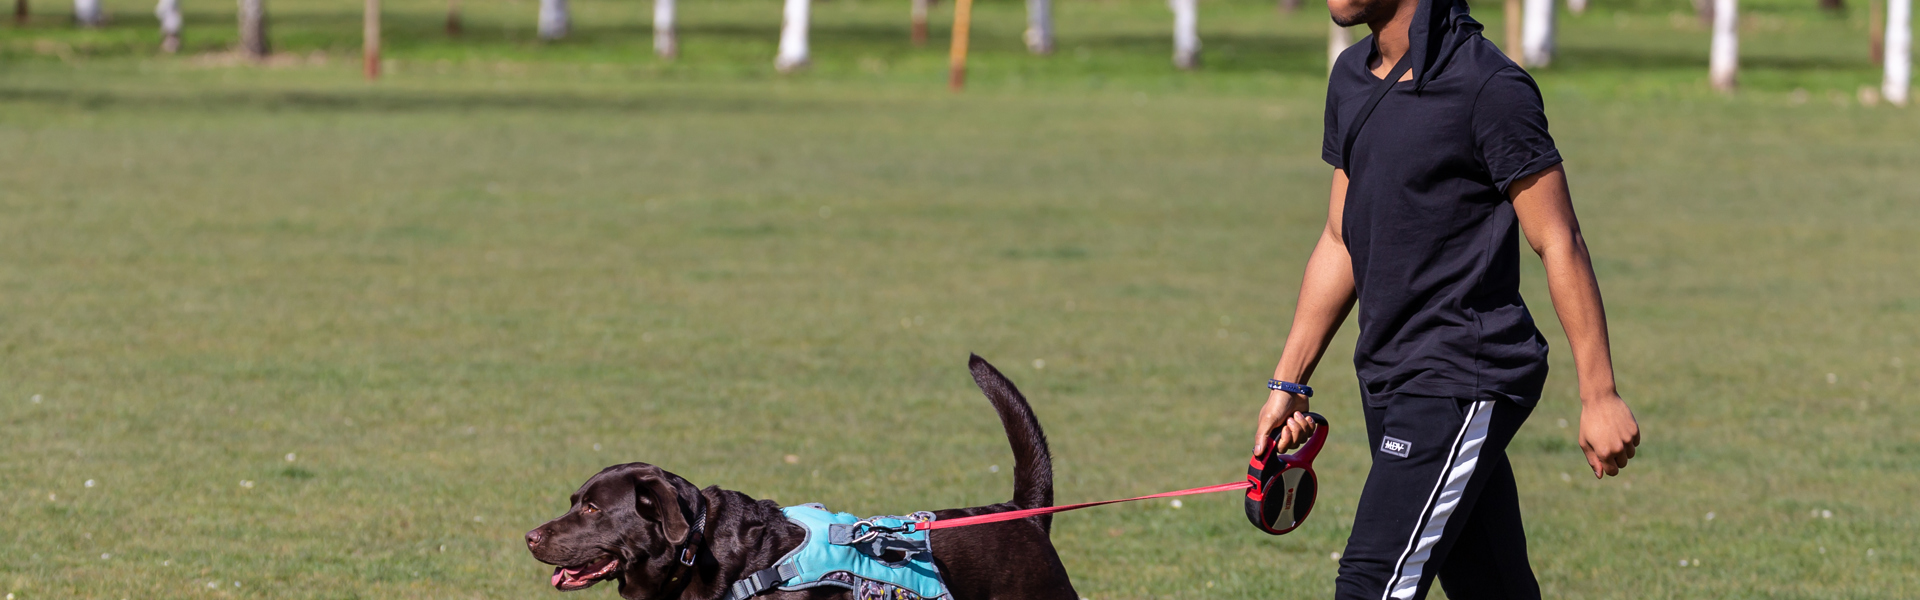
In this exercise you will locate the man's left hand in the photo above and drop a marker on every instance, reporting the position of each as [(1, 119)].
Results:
[(1608, 434)]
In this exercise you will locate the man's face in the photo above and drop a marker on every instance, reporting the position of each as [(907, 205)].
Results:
[(1348, 13)]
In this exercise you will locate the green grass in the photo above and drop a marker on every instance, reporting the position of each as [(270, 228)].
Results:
[(455, 294)]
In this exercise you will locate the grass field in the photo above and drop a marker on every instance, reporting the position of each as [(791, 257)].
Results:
[(275, 332)]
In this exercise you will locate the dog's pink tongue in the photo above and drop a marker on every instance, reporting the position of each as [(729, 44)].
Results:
[(557, 577)]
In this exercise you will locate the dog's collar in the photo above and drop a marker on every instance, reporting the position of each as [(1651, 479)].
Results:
[(690, 551)]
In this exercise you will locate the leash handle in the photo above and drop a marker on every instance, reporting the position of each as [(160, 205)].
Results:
[(1047, 510)]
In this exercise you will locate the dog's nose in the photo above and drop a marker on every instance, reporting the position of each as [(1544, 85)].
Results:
[(534, 537)]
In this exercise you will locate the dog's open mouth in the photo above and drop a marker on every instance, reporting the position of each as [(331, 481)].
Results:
[(583, 577)]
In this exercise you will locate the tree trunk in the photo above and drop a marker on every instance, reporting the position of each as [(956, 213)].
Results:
[(87, 13), (1186, 33), (1338, 40), (1899, 59), (168, 11), (454, 25), (920, 22), (1512, 15), (1723, 62), (20, 12), (1039, 33), (1536, 36), (793, 37), (556, 21), (666, 39), (370, 40), (253, 28)]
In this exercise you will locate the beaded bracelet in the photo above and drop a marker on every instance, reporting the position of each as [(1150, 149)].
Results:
[(1289, 387)]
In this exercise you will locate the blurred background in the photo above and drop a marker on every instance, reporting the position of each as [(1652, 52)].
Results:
[(272, 326)]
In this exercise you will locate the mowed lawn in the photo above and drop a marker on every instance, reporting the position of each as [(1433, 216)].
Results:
[(274, 332)]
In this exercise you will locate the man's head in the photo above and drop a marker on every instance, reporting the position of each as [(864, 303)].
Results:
[(627, 522), (1348, 13)]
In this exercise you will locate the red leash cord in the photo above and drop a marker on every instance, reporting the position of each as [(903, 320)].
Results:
[(1031, 512)]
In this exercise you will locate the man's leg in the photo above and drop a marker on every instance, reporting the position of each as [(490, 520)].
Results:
[(1489, 558), (1419, 496)]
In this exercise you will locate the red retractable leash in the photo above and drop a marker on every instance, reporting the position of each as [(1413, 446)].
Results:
[(1279, 486), (1283, 485)]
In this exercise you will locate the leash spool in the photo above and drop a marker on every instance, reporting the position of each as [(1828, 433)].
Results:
[(1283, 485)]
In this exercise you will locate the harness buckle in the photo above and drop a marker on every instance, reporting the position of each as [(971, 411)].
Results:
[(687, 555)]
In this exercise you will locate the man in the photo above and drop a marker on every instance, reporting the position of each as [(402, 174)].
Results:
[(1440, 153)]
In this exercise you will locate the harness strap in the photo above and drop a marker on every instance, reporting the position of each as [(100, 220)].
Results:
[(762, 580), (1360, 120), (875, 542)]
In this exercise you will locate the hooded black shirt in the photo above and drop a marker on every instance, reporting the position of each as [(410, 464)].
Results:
[(1432, 234)]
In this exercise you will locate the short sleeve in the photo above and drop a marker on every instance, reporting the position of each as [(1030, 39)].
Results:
[(1510, 128), (1330, 146)]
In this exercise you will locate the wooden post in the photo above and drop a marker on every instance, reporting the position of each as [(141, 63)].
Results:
[(957, 55), (370, 40), (1512, 43), (454, 25), (1876, 36), (919, 17), (20, 12)]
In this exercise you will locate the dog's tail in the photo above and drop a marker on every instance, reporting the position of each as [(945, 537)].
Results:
[(1032, 463)]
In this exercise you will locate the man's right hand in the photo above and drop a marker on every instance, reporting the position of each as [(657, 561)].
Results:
[(1286, 411)]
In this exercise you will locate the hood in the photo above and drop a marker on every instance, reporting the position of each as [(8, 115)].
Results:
[(1439, 28)]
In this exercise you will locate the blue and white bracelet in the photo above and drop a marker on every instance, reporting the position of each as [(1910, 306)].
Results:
[(1289, 387)]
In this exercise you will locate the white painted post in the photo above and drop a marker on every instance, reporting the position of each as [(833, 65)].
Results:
[(87, 13), (555, 19), (1723, 60), (1039, 35), (1186, 33), (1537, 32), (792, 55), (168, 11), (666, 42), (1899, 56), (1338, 40)]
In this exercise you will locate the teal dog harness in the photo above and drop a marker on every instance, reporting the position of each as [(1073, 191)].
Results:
[(875, 557)]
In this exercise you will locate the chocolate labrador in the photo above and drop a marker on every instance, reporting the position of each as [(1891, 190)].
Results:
[(664, 539)]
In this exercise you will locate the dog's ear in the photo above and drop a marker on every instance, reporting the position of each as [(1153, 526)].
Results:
[(667, 498)]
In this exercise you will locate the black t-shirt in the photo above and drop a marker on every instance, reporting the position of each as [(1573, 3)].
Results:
[(1428, 223)]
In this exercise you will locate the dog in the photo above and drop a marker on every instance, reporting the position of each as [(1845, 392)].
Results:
[(664, 539)]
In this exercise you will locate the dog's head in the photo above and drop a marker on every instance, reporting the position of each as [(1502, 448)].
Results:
[(628, 522)]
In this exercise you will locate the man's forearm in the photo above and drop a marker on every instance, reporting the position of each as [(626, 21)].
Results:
[(1545, 210), (1576, 298), (1326, 296)]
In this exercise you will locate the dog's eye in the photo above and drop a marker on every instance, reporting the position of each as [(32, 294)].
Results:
[(589, 508)]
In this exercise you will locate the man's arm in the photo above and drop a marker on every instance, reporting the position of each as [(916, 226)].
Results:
[(1326, 296), (1608, 432)]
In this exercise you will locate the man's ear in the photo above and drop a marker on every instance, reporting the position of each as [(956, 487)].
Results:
[(659, 494)]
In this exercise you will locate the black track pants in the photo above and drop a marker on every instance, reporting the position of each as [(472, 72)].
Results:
[(1440, 500)]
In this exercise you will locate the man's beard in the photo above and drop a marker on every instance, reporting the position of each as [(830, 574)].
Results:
[(1362, 16)]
